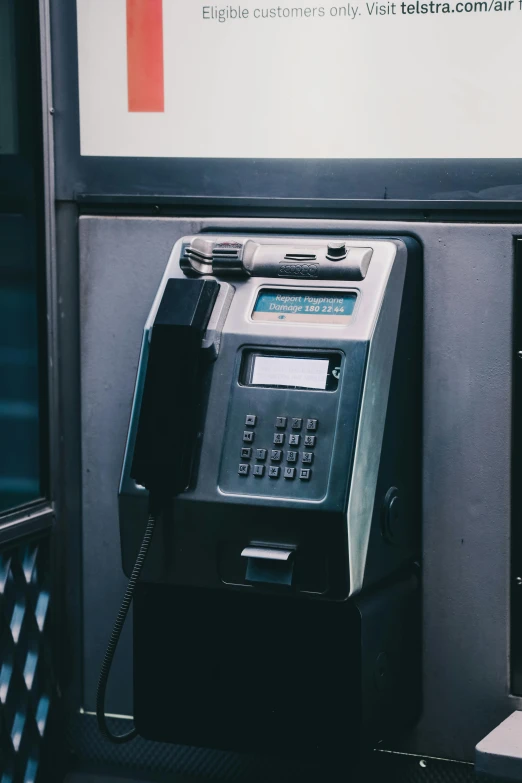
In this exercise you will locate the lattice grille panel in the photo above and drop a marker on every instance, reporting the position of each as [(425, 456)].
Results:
[(26, 683)]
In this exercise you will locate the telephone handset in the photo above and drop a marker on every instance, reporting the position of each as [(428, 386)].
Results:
[(166, 430), (168, 414)]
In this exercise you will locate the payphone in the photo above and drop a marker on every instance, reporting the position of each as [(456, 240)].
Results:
[(275, 447)]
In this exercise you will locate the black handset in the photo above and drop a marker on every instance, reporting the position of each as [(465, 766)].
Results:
[(172, 395)]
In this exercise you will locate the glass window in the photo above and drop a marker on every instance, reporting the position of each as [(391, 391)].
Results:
[(8, 118), (22, 263)]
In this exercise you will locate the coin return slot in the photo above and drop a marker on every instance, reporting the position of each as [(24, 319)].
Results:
[(269, 565)]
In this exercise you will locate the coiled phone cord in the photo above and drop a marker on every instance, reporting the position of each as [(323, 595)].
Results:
[(115, 637)]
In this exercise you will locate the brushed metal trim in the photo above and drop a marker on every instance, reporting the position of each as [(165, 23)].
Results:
[(26, 521), (372, 419), (52, 297)]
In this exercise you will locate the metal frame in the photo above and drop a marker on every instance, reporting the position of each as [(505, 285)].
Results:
[(50, 247), (25, 521), (516, 499)]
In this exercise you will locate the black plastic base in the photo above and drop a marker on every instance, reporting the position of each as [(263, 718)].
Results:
[(245, 672), (271, 674)]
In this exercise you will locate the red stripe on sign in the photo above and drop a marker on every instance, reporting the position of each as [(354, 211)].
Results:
[(145, 55)]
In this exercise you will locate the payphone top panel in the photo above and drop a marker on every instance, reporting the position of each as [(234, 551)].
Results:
[(306, 363)]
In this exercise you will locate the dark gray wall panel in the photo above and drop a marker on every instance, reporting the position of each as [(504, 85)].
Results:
[(467, 412)]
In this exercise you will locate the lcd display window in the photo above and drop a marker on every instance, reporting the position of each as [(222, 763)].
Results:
[(319, 307), (285, 371), (300, 370)]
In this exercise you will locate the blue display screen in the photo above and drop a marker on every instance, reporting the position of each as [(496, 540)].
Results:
[(304, 306)]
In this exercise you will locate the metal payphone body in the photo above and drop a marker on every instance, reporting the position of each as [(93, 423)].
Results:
[(279, 605)]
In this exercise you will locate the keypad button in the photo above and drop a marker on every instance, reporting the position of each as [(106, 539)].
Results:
[(243, 469), (273, 471), (248, 437), (309, 441), (305, 474), (250, 420), (291, 456), (280, 422), (258, 470), (311, 425), (289, 473), (297, 424), (260, 453), (276, 455), (279, 437), (246, 453), (293, 440), (307, 457)]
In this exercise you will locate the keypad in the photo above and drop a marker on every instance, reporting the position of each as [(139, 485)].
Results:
[(276, 455)]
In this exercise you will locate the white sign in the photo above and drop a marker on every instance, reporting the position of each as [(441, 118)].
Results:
[(282, 371), (300, 78)]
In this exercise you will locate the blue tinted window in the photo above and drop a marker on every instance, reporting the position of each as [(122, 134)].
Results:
[(19, 381), (22, 261)]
